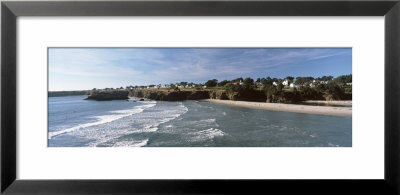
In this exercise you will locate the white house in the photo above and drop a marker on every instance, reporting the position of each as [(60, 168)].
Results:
[(292, 85), (285, 82), (241, 82), (275, 83)]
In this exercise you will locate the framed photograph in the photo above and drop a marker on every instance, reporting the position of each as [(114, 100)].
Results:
[(199, 97)]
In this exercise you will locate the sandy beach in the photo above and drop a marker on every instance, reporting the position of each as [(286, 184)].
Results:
[(298, 108), (337, 103)]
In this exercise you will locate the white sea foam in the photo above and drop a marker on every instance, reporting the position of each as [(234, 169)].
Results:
[(152, 127), (136, 143), (203, 123), (104, 119), (332, 145), (208, 134), (185, 109), (150, 122), (313, 136)]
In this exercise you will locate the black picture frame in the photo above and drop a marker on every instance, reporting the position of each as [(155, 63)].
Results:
[(11, 10)]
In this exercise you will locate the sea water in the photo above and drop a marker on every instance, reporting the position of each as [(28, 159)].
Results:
[(75, 122)]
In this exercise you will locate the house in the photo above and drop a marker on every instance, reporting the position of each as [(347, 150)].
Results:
[(240, 82), (285, 83), (275, 83), (292, 85)]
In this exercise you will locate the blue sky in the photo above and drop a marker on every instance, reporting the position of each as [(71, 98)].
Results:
[(87, 68)]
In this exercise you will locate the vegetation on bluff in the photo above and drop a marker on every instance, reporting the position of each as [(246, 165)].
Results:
[(68, 93), (170, 95), (287, 90)]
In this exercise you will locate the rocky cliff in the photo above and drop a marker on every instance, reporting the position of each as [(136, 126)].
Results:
[(108, 95), (165, 95)]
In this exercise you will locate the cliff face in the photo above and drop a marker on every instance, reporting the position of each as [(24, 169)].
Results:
[(171, 95), (165, 95), (199, 95), (220, 94), (108, 95)]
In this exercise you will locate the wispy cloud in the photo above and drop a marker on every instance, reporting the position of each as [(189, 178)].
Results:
[(89, 67)]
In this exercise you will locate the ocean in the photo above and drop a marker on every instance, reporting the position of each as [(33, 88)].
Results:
[(75, 122)]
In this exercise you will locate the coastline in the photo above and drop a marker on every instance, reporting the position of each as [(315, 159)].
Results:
[(298, 108), (335, 102)]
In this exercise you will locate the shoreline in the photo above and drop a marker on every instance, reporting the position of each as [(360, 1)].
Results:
[(297, 108), (335, 102)]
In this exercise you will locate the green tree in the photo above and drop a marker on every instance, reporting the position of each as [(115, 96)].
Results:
[(211, 83), (290, 79), (223, 83), (343, 79), (335, 90), (238, 79), (303, 80), (325, 78), (248, 83), (280, 86), (267, 82)]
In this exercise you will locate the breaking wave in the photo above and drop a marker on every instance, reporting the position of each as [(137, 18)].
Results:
[(104, 119)]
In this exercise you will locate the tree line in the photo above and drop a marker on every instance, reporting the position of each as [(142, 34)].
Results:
[(288, 89)]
